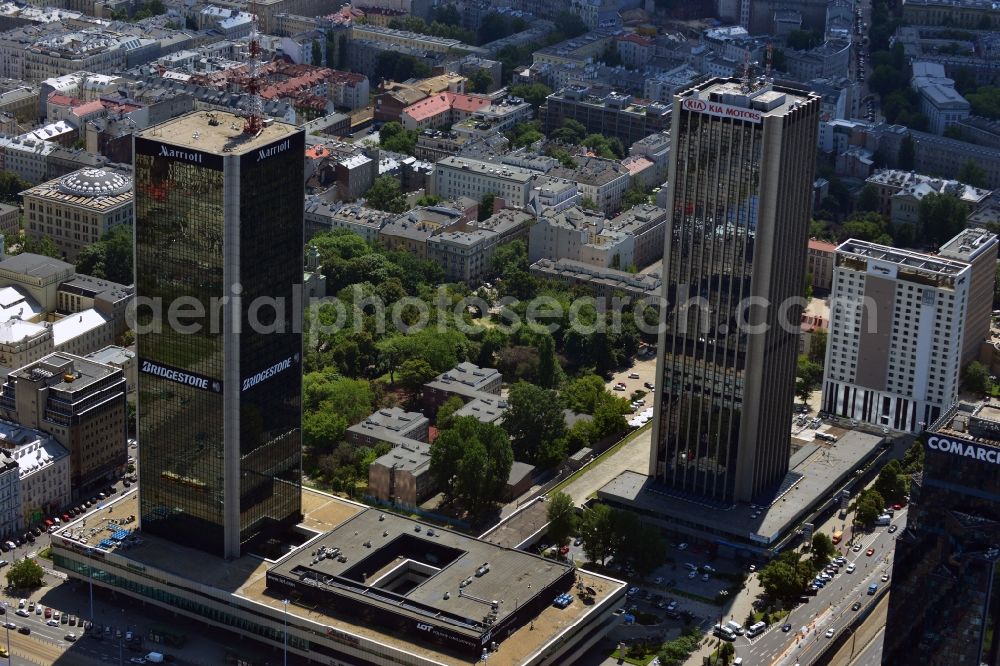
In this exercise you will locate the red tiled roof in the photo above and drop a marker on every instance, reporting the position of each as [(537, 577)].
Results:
[(443, 102), (822, 246)]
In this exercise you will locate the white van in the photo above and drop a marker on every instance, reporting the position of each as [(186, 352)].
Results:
[(735, 627), (884, 519), (723, 632), (755, 629)]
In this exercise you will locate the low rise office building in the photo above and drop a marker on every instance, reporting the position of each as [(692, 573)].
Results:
[(79, 402), (390, 425), (78, 209), (602, 181), (44, 471)]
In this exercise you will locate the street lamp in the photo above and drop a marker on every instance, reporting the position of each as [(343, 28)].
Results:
[(285, 604), (7, 625)]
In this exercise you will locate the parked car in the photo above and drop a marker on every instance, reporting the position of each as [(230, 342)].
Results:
[(857, 548), (24, 630), (682, 546), (856, 605), (850, 568), (706, 577), (829, 633), (885, 577), (692, 574)]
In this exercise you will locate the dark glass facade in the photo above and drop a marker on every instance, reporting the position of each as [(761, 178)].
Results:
[(945, 602), (219, 403), (178, 242), (271, 241), (740, 184)]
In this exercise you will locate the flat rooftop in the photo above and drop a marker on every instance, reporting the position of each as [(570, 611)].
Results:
[(194, 130), (818, 468), (916, 261), (245, 578), (378, 548)]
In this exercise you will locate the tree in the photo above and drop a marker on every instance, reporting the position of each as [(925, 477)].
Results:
[(808, 376), (481, 81), (891, 482), (446, 412), (471, 461), (803, 40), (548, 368), (414, 373), (609, 415), (976, 378), (941, 216), (562, 517), (633, 197), (392, 136), (322, 429), (913, 459), (823, 549), (907, 154), (868, 198), (532, 93), (581, 394), (386, 195), (486, 206), (817, 346), (25, 575), (44, 246), (535, 423), (109, 258), (596, 531), (648, 551), (985, 101), (569, 24), (870, 506), (785, 577), (871, 227), (972, 174), (571, 131)]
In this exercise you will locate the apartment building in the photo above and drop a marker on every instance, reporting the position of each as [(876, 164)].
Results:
[(974, 14), (391, 425), (897, 327), (602, 181), (580, 234), (321, 215), (79, 402), (44, 472), (466, 177), (602, 281), (900, 193), (978, 248), (939, 101), (819, 264), (466, 254), (403, 475), (613, 114), (78, 209)]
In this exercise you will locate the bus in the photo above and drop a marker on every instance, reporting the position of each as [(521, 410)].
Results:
[(837, 537)]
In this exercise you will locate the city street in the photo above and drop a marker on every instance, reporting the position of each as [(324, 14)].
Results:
[(831, 608)]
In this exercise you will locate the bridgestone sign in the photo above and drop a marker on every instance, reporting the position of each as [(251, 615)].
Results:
[(263, 375), (965, 449), (180, 376)]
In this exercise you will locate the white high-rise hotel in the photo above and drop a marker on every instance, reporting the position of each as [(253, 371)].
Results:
[(898, 324)]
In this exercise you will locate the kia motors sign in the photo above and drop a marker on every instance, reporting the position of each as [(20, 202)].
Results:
[(721, 110)]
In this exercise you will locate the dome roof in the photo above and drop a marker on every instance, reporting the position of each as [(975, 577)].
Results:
[(95, 183)]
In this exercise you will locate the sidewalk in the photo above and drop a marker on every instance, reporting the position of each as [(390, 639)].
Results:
[(737, 610)]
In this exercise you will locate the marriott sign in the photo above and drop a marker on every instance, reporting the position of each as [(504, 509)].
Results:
[(721, 110)]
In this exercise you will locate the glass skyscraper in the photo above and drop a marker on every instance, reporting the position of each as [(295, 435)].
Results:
[(218, 248), (741, 177), (944, 607)]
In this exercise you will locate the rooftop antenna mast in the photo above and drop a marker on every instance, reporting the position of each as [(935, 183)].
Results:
[(254, 123), (745, 83), (767, 70)]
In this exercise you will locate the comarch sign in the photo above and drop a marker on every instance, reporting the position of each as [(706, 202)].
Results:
[(965, 449), (721, 110)]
